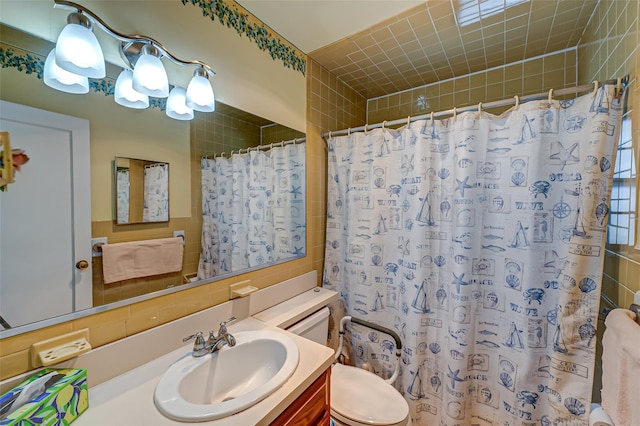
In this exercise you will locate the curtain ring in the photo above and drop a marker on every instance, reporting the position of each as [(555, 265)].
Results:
[(479, 106), (365, 128), (431, 117), (383, 123), (329, 134), (349, 131), (595, 88), (409, 120), (550, 95), (517, 101), (455, 112)]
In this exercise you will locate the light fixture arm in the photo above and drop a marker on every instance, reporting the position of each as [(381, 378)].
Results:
[(129, 39)]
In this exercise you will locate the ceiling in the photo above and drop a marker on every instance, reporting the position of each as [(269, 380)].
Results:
[(383, 47)]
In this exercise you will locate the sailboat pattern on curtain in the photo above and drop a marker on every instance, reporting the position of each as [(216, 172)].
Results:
[(479, 239), (253, 209)]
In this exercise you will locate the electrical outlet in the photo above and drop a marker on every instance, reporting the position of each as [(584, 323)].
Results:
[(95, 243)]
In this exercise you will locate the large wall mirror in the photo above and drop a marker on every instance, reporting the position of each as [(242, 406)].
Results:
[(191, 149)]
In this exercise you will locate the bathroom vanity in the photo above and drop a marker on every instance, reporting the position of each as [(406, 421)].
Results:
[(128, 398), (123, 375)]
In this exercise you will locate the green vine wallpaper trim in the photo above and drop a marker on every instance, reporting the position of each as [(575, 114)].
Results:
[(34, 64), (241, 22)]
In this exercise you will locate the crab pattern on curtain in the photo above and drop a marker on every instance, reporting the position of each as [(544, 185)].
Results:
[(480, 240)]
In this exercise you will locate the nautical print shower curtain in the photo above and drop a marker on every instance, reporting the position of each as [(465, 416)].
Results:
[(480, 240), (156, 193), (253, 209), (122, 194)]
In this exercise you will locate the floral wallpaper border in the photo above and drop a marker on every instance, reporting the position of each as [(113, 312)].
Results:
[(254, 29), (31, 63)]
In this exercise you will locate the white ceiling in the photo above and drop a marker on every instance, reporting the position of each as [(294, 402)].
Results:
[(312, 24)]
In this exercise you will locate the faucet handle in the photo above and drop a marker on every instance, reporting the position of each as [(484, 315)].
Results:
[(193, 336), (223, 325), (199, 346)]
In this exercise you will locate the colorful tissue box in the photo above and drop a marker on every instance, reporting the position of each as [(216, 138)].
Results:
[(65, 397)]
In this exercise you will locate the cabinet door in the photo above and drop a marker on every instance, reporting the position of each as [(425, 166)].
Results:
[(311, 408)]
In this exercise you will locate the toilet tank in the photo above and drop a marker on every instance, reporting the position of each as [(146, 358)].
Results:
[(306, 314), (314, 327)]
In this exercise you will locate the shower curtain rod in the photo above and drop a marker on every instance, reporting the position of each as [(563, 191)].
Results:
[(620, 82), (261, 147)]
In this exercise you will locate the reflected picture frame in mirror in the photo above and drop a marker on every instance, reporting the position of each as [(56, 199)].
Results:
[(141, 191)]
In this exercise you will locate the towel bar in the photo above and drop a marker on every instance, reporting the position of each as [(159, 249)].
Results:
[(97, 247), (602, 315)]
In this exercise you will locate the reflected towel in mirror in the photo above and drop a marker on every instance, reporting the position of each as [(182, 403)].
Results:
[(124, 261)]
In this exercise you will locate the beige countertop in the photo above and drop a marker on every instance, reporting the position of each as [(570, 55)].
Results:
[(127, 399)]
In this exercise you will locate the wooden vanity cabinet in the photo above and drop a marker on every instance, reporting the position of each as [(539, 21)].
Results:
[(311, 408)]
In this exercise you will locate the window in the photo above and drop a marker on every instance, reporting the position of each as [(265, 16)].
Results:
[(471, 11), (621, 228)]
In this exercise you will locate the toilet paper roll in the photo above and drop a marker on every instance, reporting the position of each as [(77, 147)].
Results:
[(599, 417)]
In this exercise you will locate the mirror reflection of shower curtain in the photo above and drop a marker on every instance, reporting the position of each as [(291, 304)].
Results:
[(480, 240), (253, 207), (156, 193), (122, 192)]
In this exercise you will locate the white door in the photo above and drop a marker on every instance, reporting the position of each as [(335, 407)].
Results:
[(45, 217)]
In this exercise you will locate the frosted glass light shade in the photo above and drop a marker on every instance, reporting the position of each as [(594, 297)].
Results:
[(59, 79), (200, 94), (150, 77), (125, 95), (78, 51), (176, 106)]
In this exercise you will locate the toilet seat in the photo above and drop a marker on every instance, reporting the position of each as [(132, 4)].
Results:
[(362, 397)]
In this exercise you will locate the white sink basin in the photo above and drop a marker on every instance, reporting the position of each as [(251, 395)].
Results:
[(228, 381)]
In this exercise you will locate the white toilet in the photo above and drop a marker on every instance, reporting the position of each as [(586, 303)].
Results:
[(358, 397)]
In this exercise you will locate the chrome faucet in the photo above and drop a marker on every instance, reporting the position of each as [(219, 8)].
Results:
[(213, 343)]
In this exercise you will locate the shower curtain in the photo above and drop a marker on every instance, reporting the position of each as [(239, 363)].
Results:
[(253, 209), (480, 240), (122, 194), (156, 193)]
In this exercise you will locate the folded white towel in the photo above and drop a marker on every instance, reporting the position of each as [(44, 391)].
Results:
[(124, 261), (621, 368)]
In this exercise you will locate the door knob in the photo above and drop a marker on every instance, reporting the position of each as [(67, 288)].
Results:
[(82, 264)]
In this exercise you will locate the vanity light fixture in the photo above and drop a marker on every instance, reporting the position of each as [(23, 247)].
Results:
[(77, 51), (149, 76), (77, 48), (176, 105), (199, 92), (125, 95), (65, 81)]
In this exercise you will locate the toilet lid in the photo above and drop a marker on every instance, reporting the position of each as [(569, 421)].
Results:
[(362, 396)]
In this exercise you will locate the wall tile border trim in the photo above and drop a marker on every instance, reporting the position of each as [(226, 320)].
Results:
[(32, 63), (244, 23)]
